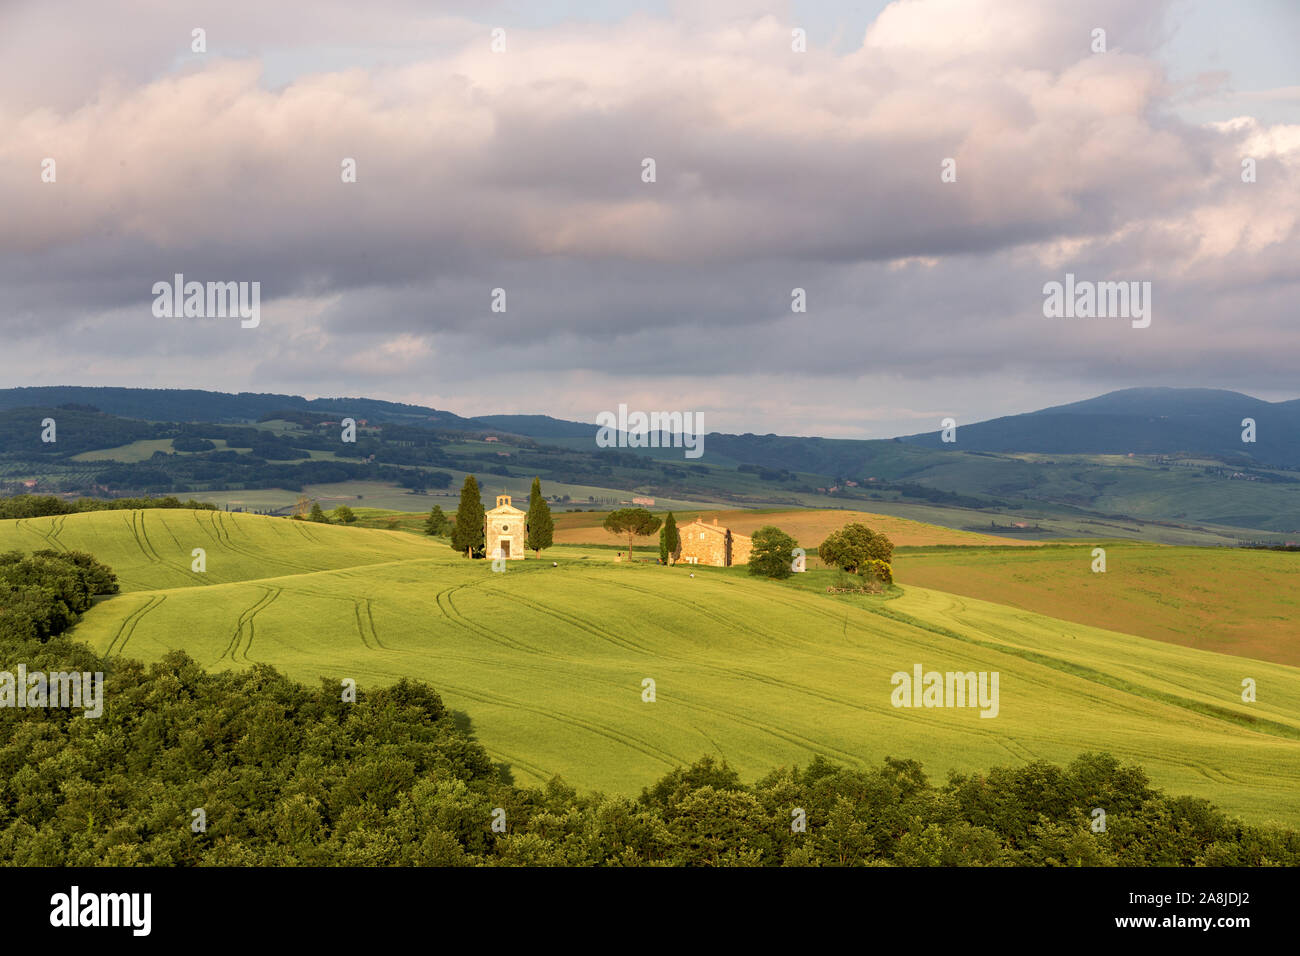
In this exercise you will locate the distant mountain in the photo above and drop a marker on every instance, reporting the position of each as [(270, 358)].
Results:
[(196, 405), (1168, 421), (192, 441), (536, 426), (1161, 421)]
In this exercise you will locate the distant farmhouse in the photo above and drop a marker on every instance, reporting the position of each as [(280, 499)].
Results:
[(713, 544), (503, 529)]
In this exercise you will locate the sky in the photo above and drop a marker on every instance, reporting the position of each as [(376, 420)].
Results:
[(775, 169)]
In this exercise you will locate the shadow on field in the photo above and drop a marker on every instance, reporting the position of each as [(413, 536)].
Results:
[(461, 720)]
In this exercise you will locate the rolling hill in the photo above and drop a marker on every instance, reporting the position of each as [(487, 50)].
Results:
[(1167, 456), (1163, 421), (549, 662)]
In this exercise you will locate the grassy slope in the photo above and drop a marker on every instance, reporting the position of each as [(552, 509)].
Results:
[(1233, 601), (548, 662), (153, 549)]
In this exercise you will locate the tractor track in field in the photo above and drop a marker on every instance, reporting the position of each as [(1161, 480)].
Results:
[(735, 673), (252, 624), (302, 529), (262, 559), (168, 528), (363, 622), (219, 528), (50, 534), (722, 669), (700, 730), (572, 621), (449, 611), (207, 531), (1215, 712), (246, 619), (548, 673), (783, 642), (145, 535), (807, 607), (511, 761), (38, 530), (297, 526), (602, 730), (781, 733), (785, 686), (786, 644), (370, 618), (124, 631), (129, 520)]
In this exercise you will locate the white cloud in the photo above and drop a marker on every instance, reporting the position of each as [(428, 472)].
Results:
[(522, 170)]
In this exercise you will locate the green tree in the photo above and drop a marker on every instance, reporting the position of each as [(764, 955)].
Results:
[(467, 535), (437, 523), (773, 553), (670, 542), (344, 514), (317, 514), (540, 525), (853, 546), (633, 522)]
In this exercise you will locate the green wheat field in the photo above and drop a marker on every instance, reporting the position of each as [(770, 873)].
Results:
[(548, 663)]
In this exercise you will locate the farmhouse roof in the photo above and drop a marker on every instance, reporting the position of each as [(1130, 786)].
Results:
[(720, 529)]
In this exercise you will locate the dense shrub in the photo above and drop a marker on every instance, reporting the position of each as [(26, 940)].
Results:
[(853, 546), (773, 553), (45, 593)]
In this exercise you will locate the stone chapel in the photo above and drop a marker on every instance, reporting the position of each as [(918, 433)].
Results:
[(503, 530)]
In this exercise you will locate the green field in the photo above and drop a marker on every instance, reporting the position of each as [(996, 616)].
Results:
[(548, 662), (1235, 601)]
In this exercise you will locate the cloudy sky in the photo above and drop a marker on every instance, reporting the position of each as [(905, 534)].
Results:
[(522, 169)]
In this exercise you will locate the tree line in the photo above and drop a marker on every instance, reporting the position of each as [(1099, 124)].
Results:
[(41, 506), (855, 548), (43, 594)]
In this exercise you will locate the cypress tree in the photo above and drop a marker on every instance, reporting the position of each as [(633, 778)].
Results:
[(467, 535), (670, 542), (541, 527)]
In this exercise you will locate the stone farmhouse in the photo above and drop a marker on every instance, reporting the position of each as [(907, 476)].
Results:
[(503, 530), (713, 544)]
